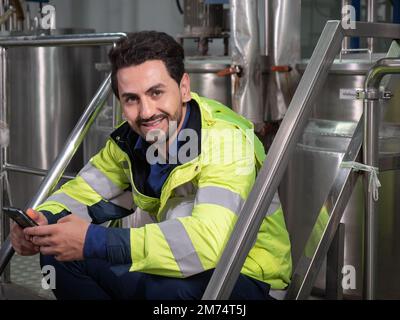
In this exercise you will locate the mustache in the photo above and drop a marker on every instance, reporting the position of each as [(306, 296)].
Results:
[(156, 117)]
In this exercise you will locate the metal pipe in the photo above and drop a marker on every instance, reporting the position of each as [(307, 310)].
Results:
[(372, 8), (90, 39), (5, 222), (381, 68), (34, 171), (259, 200), (267, 28), (371, 158), (71, 146), (377, 30)]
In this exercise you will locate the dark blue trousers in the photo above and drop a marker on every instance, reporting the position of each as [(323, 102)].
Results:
[(94, 279)]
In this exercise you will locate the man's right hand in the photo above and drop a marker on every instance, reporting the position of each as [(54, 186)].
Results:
[(20, 242)]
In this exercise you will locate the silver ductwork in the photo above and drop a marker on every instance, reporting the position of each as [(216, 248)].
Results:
[(283, 51), (246, 56)]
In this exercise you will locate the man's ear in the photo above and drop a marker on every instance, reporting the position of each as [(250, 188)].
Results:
[(185, 88)]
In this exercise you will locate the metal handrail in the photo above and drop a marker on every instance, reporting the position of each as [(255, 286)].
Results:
[(85, 39), (260, 198), (373, 80), (76, 137), (28, 170)]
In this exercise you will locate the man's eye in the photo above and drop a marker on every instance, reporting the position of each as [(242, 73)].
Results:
[(131, 100), (156, 93)]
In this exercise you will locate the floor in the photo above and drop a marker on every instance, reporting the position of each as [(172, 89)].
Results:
[(26, 280)]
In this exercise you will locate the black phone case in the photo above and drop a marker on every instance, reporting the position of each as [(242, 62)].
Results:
[(20, 217)]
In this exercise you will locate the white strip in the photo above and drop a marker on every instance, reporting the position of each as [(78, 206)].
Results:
[(124, 200), (99, 182), (182, 247), (220, 196), (73, 205)]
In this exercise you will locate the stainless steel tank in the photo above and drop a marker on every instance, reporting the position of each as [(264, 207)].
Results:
[(205, 81), (337, 104), (49, 87)]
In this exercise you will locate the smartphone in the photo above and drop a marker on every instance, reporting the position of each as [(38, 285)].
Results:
[(20, 217)]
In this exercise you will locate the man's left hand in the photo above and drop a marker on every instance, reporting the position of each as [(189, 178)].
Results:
[(64, 240)]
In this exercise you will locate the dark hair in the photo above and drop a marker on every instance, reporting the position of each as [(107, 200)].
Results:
[(142, 46)]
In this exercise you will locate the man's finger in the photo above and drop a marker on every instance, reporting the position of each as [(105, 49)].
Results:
[(42, 241), (37, 216), (45, 230)]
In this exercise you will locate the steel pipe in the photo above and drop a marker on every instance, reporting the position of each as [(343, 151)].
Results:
[(90, 39), (4, 221), (34, 171), (372, 7), (371, 158)]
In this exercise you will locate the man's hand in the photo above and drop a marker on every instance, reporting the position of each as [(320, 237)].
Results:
[(22, 243), (64, 240)]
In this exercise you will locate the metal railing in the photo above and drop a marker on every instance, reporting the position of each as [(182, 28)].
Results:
[(74, 140), (260, 198), (371, 158)]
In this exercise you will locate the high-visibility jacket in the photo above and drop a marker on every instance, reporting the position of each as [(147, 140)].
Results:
[(199, 203)]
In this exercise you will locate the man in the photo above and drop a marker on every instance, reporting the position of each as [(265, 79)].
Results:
[(181, 158)]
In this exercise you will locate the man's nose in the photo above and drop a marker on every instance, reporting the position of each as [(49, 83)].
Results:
[(147, 109)]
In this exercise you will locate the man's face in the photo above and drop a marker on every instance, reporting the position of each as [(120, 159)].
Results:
[(150, 98)]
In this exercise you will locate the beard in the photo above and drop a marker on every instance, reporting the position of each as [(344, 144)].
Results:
[(159, 135)]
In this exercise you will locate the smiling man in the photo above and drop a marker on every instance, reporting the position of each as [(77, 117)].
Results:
[(194, 203)]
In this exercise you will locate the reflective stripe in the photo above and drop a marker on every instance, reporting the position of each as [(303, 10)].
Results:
[(124, 200), (220, 196), (99, 182), (74, 206), (178, 207), (275, 204), (182, 247)]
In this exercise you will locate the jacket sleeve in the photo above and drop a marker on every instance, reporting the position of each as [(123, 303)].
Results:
[(190, 244), (100, 192)]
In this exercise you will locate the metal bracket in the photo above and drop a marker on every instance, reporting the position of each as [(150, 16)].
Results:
[(373, 95)]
